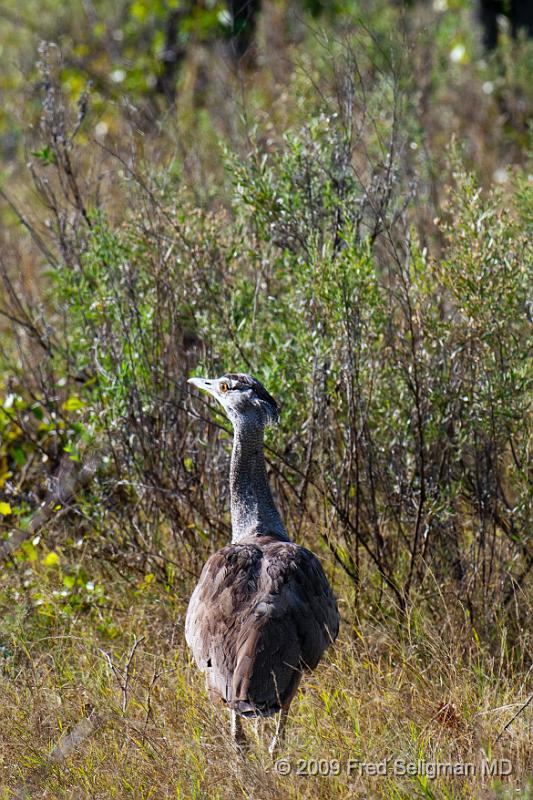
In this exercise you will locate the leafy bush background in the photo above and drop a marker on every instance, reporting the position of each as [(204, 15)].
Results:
[(354, 227)]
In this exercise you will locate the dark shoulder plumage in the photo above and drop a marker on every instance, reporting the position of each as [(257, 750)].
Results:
[(265, 584)]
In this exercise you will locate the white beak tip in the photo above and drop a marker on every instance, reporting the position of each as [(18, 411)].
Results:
[(200, 383)]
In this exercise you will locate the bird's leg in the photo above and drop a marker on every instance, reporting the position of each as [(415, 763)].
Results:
[(279, 736), (237, 732)]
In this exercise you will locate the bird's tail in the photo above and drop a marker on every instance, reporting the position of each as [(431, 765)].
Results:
[(263, 678), (246, 709)]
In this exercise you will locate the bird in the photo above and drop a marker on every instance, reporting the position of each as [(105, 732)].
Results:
[(263, 612)]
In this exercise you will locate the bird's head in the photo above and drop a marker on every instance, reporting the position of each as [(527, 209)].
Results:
[(243, 398)]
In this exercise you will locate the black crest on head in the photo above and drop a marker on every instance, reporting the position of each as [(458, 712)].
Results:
[(244, 381)]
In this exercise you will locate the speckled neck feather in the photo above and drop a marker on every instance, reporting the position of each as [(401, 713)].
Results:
[(253, 510)]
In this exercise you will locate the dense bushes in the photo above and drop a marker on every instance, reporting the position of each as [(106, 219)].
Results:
[(403, 374)]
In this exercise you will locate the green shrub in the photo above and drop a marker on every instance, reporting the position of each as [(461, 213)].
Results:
[(402, 373)]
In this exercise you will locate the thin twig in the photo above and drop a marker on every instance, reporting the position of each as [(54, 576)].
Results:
[(522, 708)]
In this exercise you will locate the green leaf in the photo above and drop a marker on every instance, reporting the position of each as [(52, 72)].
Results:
[(29, 551), (73, 404), (19, 455), (51, 560), (45, 156)]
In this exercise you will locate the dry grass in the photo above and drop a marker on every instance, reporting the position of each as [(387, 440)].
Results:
[(406, 691)]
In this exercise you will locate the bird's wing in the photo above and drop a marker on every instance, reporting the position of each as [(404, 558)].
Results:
[(300, 591), (227, 584), (262, 611), (288, 629), (319, 626)]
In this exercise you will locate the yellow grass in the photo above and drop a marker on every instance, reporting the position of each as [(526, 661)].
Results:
[(407, 692)]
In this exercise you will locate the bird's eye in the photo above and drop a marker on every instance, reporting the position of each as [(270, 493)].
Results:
[(223, 387)]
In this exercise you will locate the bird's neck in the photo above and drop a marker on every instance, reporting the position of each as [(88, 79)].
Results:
[(253, 510)]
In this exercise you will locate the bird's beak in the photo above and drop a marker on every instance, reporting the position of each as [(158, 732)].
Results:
[(203, 384)]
